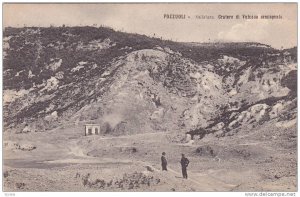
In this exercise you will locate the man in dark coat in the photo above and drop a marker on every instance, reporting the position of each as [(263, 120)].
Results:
[(184, 164), (164, 162)]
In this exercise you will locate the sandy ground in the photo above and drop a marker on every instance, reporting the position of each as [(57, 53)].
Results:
[(65, 160)]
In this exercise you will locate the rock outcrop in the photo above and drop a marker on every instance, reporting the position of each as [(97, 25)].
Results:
[(133, 84)]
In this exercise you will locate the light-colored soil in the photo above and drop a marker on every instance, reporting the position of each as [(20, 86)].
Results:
[(64, 158)]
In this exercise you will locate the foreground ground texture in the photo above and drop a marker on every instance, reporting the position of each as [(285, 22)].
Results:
[(248, 162)]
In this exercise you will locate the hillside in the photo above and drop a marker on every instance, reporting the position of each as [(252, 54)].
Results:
[(55, 75)]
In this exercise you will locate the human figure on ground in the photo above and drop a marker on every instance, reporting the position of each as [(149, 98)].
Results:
[(184, 164), (164, 162)]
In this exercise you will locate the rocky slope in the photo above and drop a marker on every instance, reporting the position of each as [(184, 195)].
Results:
[(130, 83)]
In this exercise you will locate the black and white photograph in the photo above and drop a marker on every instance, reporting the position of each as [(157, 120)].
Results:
[(149, 97)]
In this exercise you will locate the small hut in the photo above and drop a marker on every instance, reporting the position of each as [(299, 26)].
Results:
[(92, 129)]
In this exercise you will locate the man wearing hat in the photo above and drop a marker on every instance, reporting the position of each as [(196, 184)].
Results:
[(164, 162), (184, 164)]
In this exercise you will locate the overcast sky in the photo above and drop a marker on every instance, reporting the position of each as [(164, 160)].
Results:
[(149, 19)]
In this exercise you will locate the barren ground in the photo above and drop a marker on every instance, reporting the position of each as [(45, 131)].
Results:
[(64, 160)]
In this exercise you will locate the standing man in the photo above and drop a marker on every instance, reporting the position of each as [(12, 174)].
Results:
[(184, 164), (164, 162)]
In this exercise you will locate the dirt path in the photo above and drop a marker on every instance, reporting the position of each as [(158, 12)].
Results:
[(202, 183)]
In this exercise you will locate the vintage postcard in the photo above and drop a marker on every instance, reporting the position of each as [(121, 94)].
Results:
[(183, 97)]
